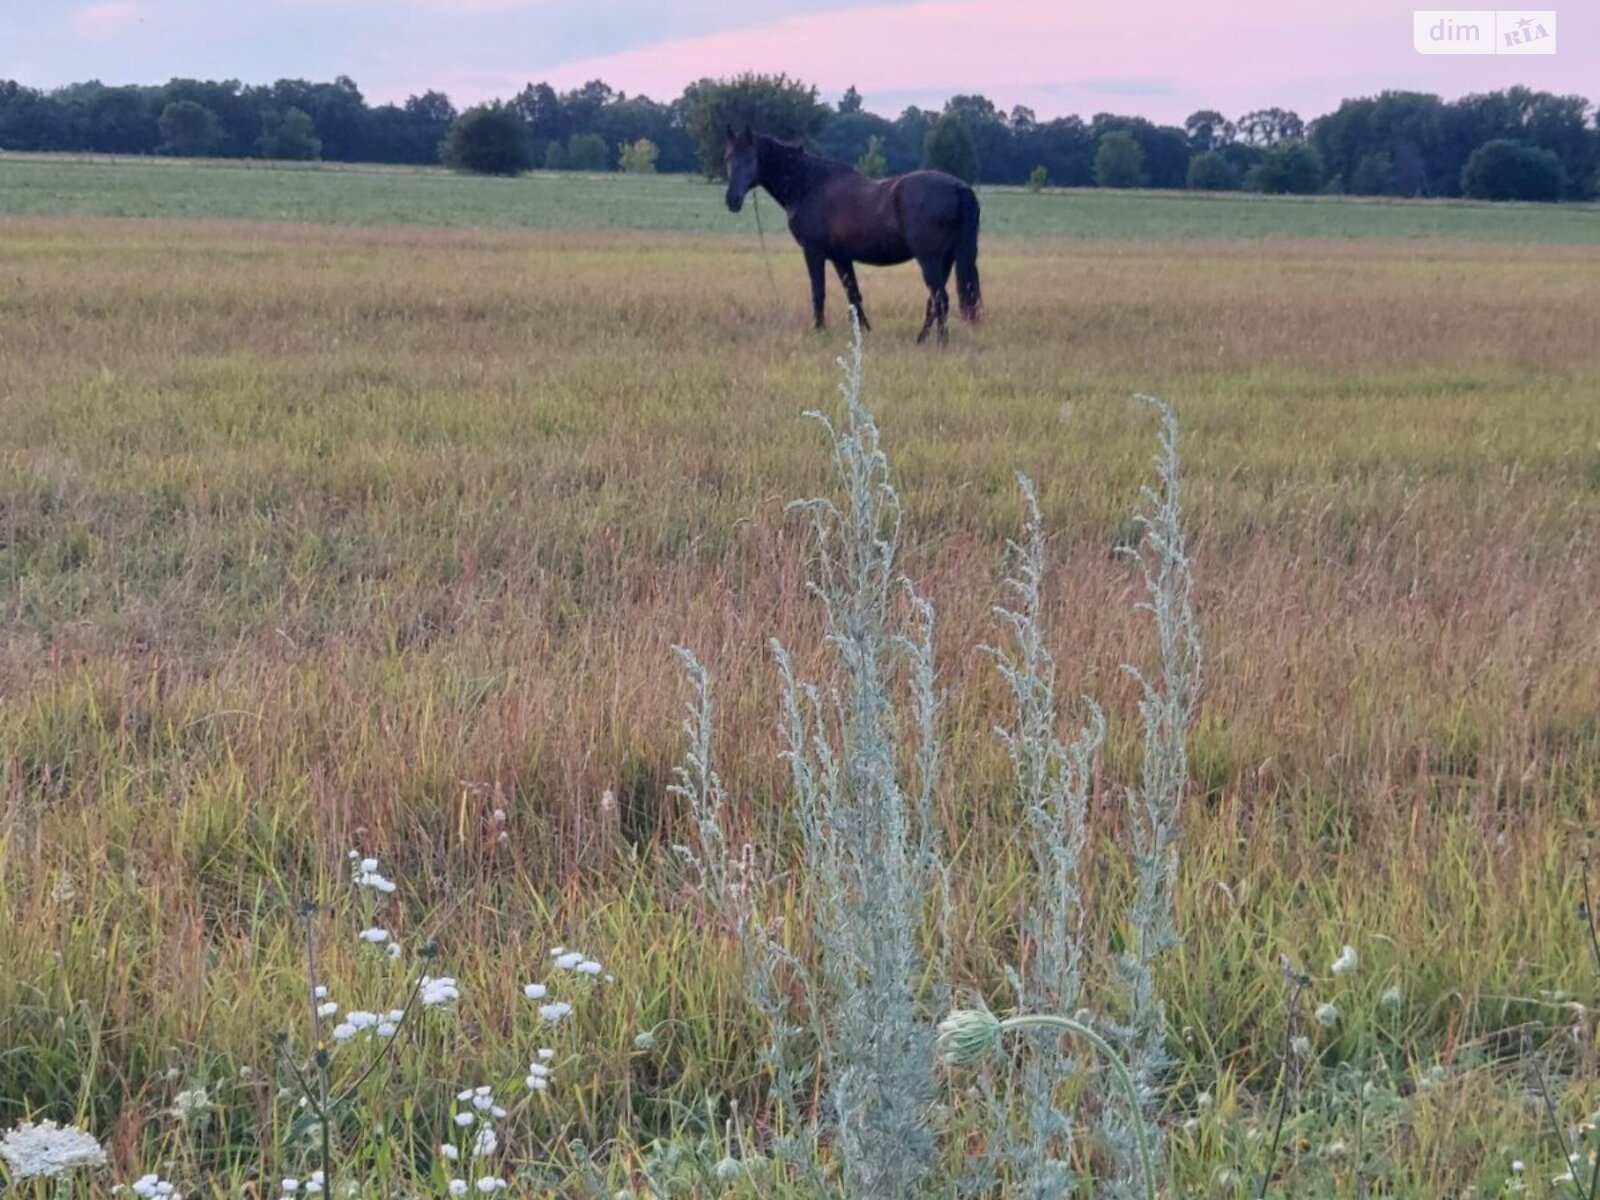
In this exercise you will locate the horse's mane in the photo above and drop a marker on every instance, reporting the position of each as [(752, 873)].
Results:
[(794, 154)]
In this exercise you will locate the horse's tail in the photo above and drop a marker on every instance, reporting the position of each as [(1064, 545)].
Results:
[(968, 291)]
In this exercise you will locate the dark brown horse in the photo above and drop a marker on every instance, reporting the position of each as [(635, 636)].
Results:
[(840, 216)]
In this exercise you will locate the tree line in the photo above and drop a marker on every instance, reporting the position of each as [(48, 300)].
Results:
[(1510, 144)]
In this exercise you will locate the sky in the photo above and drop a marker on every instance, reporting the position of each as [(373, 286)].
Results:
[(1162, 59)]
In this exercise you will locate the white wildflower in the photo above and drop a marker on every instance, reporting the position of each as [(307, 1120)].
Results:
[(569, 960), (1327, 1015), (375, 936), (464, 1119), (394, 950), (1347, 962), (290, 1185), (486, 1143), (1301, 1045), (553, 1013), (449, 1151), (361, 1018), (535, 991), (482, 1099), (344, 1031), (546, 1054), (327, 1009), (195, 1102), (386, 1029), (537, 1083), (1517, 1166), (47, 1150), (458, 1187), (1392, 998), (558, 952), (588, 967), (320, 991), (490, 1184), (434, 992)]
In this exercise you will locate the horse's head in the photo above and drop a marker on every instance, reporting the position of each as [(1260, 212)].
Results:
[(743, 166)]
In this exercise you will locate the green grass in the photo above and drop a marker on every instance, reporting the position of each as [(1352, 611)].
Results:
[(43, 185), (318, 537)]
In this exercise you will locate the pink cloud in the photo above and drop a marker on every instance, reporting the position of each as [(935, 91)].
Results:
[(1158, 57), (107, 19)]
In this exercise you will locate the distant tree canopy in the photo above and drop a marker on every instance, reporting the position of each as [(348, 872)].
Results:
[(1395, 143), (950, 149), (290, 135), (489, 140), (772, 104), (1507, 170), (1119, 161), (189, 129)]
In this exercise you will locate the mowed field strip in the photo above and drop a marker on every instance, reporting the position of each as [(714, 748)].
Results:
[(332, 516), (69, 185)]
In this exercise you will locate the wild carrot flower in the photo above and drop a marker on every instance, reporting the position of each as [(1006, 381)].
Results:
[(47, 1150), (153, 1187), (569, 961), (1347, 962), (187, 1105), (375, 936), (553, 1013), (448, 1151), (486, 1143), (434, 992), (490, 1184), (1327, 1015), (458, 1187), (535, 991), (967, 1036)]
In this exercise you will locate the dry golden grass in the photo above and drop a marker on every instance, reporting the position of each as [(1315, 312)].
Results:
[(317, 538)]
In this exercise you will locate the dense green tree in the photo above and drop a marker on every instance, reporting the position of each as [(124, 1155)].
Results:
[(907, 144), (1507, 170), (189, 129), (121, 120), (1289, 167), (772, 104), (949, 149), (846, 138), (991, 137), (488, 140), (1373, 176), (1119, 161), (290, 135), (1211, 171), (587, 152), (238, 111), (850, 102)]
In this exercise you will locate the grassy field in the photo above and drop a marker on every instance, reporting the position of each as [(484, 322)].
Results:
[(59, 185), (320, 537)]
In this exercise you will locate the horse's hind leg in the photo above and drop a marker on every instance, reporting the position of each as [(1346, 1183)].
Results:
[(852, 292), (936, 274)]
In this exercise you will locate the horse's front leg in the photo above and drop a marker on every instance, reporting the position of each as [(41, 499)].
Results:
[(852, 291), (816, 264)]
